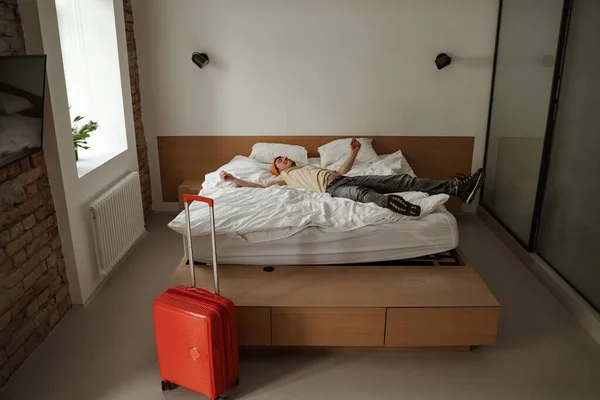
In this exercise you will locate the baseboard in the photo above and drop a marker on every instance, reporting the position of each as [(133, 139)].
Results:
[(583, 312), (163, 212)]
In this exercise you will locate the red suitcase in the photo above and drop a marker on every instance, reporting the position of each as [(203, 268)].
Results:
[(196, 333)]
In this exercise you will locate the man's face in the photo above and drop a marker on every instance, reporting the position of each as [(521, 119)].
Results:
[(283, 163)]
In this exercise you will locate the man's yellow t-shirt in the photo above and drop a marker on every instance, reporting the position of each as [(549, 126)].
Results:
[(308, 177)]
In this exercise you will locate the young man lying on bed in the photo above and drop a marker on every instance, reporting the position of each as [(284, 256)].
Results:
[(364, 189)]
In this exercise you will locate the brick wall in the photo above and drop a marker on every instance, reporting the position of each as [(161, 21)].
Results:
[(142, 149), (11, 34), (34, 293)]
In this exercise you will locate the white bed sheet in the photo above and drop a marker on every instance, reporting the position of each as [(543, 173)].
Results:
[(248, 210), (392, 239), (437, 232)]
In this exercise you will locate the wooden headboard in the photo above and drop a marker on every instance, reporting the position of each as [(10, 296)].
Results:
[(192, 157)]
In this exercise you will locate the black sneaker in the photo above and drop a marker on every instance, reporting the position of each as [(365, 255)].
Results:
[(467, 187), (401, 206)]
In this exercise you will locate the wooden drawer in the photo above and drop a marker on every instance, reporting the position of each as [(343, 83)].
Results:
[(254, 326), (455, 326), (300, 326)]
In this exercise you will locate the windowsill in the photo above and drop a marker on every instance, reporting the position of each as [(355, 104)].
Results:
[(90, 161)]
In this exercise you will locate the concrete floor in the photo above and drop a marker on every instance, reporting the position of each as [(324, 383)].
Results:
[(106, 351)]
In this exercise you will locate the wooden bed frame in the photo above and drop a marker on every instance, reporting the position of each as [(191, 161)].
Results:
[(414, 308), (192, 157), (403, 308)]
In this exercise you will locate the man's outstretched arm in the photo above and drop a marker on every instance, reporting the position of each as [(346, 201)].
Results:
[(347, 166), (227, 177)]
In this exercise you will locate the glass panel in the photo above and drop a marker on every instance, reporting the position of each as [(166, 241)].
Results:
[(528, 39), (569, 233)]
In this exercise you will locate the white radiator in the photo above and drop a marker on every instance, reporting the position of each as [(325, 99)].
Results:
[(117, 221)]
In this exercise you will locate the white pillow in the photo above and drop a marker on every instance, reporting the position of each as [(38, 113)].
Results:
[(11, 104), (241, 167), (340, 150), (395, 162), (389, 164), (316, 161), (267, 152)]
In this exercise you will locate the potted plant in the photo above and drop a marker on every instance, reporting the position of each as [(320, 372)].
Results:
[(81, 134)]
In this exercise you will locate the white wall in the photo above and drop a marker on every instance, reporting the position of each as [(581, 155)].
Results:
[(33, 42), (314, 67), (72, 194)]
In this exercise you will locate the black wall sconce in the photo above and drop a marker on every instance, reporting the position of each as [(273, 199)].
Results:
[(442, 60), (200, 59)]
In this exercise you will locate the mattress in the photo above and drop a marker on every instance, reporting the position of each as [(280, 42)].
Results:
[(435, 233)]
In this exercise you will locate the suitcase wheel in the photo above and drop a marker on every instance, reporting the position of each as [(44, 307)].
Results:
[(166, 385)]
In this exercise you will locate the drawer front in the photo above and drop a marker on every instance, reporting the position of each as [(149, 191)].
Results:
[(328, 326), (254, 326), (452, 326)]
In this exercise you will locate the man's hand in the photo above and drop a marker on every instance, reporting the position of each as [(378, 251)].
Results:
[(226, 176), (347, 166)]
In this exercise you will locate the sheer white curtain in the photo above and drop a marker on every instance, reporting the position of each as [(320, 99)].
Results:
[(91, 63)]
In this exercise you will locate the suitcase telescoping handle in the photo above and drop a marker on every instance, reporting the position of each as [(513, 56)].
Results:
[(187, 199)]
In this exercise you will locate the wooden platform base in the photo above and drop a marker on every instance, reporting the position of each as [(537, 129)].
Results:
[(401, 307)]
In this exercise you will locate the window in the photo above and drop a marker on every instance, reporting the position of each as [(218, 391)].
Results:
[(88, 39)]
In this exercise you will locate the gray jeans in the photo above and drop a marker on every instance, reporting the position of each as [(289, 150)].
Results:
[(372, 189)]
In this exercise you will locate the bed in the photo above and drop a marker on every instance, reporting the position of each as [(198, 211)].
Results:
[(257, 227), (325, 285), (437, 233)]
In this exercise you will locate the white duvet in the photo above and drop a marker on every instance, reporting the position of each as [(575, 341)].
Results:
[(288, 211)]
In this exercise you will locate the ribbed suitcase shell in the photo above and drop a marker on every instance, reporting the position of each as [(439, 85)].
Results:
[(196, 339)]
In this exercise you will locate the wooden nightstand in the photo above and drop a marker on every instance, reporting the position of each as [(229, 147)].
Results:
[(188, 187)]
